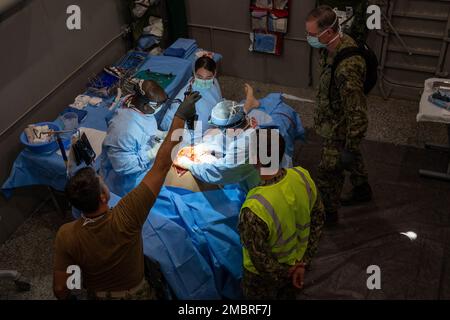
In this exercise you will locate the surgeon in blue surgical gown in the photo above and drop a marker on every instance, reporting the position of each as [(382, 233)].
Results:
[(273, 112), (205, 82), (230, 163), (132, 139), (227, 144)]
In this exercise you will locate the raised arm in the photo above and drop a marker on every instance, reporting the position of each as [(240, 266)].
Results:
[(133, 209), (156, 176)]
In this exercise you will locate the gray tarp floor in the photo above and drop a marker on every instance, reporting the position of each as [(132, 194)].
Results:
[(370, 234), (366, 235)]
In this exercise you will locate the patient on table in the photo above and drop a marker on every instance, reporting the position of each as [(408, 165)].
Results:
[(200, 153), (218, 167), (219, 159), (133, 139)]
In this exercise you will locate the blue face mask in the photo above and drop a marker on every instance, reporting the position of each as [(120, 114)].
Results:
[(315, 42), (203, 84)]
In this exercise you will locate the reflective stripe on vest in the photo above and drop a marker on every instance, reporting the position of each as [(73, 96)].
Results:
[(288, 238), (281, 255), (307, 185), (266, 204), (280, 242)]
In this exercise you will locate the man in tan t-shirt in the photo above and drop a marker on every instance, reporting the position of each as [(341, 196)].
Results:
[(106, 244)]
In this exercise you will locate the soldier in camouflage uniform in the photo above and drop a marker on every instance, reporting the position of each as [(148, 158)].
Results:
[(273, 281), (144, 292), (341, 114), (271, 278)]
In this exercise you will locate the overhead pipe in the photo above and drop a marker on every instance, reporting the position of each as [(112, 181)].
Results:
[(214, 28)]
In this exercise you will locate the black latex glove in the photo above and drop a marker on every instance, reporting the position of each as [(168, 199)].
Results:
[(347, 159), (186, 110)]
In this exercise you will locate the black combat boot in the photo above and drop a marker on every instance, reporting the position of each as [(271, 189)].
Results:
[(360, 194)]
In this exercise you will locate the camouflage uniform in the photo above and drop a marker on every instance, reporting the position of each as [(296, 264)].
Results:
[(342, 121), (273, 281), (145, 293)]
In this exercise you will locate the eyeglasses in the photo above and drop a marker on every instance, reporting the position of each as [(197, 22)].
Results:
[(156, 105)]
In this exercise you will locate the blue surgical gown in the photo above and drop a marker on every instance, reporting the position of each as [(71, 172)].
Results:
[(125, 156), (232, 164), (274, 112), (210, 97)]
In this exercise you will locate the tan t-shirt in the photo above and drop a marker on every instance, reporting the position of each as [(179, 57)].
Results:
[(110, 250)]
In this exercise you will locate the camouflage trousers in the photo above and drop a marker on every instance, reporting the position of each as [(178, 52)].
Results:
[(144, 293), (331, 174), (256, 288)]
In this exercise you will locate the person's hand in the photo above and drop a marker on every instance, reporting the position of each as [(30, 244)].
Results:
[(297, 274), (347, 159), (186, 110), (207, 158), (202, 149), (297, 265), (184, 163), (253, 123)]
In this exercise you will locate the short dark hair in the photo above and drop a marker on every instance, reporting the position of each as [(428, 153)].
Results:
[(154, 91), (83, 190), (207, 63), (279, 140), (325, 17)]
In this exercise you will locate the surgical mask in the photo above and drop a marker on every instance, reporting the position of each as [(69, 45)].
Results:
[(148, 107), (156, 106), (203, 84), (315, 42)]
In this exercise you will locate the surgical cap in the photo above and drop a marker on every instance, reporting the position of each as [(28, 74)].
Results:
[(227, 114)]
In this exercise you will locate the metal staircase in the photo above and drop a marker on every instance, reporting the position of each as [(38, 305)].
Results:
[(415, 44)]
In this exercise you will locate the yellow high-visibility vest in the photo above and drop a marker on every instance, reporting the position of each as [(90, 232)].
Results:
[(286, 209)]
